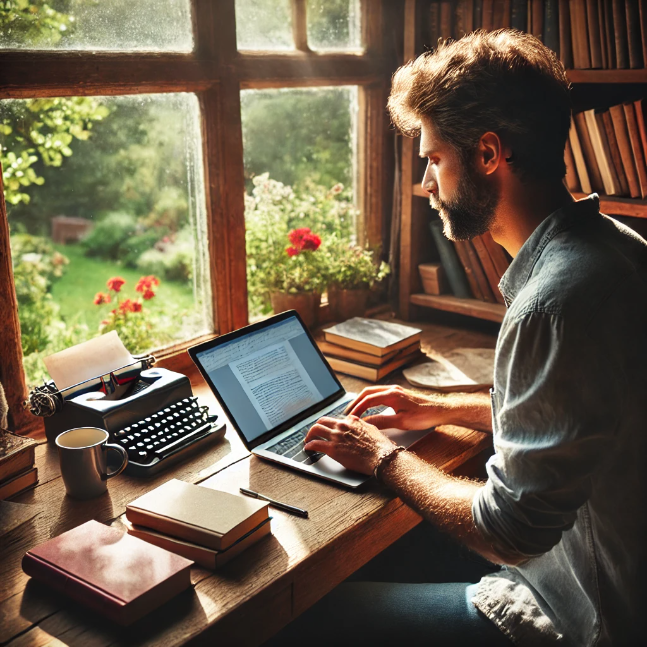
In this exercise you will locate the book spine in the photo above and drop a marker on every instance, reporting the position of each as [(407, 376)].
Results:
[(16, 462), (607, 123), (469, 272), (479, 273), (622, 136), (459, 22), (76, 589), (580, 164), (572, 181), (468, 15), (593, 24), (636, 146), (519, 17), (488, 267), (537, 19), (498, 14), (445, 19), (620, 32), (609, 34), (434, 24), (634, 40), (640, 118), (579, 34), (602, 34), (642, 12), (565, 42), (449, 260), (488, 15), (588, 152), (497, 254), (478, 14), (608, 180), (551, 25)]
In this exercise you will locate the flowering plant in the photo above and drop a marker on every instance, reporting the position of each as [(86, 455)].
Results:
[(128, 317), (352, 267)]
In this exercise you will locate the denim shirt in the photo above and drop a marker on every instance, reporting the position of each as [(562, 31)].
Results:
[(566, 488)]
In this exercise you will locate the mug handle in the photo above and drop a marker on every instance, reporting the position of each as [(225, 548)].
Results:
[(122, 467)]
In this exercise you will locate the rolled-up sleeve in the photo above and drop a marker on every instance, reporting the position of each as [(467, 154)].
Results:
[(556, 402)]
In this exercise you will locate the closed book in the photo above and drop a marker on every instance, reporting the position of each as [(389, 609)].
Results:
[(565, 38), (572, 181), (372, 336), (478, 14), (642, 12), (449, 259), (640, 119), (602, 32), (434, 24), (605, 116), (551, 25), (334, 350), (198, 514), (371, 373), (579, 34), (18, 482), (578, 156), (497, 253), (609, 34), (501, 14), (488, 267), (537, 18), (588, 152), (620, 33), (445, 19), (105, 569), (602, 154), (636, 146), (519, 15), (463, 255), (459, 24), (433, 278), (487, 16), (634, 36), (593, 24), (206, 557), (17, 453), (479, 273), (468, 15), (624, 145)]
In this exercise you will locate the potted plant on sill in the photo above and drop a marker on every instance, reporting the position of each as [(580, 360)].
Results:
[(352, 273)]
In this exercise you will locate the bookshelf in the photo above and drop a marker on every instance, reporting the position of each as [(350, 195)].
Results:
[(416, 244)]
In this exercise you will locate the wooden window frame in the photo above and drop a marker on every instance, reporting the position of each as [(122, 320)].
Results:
[(216, 72)]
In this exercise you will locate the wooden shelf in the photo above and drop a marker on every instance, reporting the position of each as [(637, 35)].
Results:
[(607, 76), (610, 204), (470, 307)]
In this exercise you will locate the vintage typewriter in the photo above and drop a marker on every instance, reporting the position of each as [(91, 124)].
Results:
[(151, 412)]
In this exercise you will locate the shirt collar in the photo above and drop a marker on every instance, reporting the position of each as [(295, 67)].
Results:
[(517, 275)]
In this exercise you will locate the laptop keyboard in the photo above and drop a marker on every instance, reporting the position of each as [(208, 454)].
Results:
[(292, 446)]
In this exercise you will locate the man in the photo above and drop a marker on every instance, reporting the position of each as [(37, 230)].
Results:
[(563, 507)]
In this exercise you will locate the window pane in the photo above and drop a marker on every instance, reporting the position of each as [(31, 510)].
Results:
[(334, 25), (299, 147), (264, 24), (152, 25), (98, 188)]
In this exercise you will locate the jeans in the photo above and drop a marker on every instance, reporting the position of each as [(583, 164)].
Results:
[(417, 592)]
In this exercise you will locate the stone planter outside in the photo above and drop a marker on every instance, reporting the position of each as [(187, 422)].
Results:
[(305, 303), (346, 304)]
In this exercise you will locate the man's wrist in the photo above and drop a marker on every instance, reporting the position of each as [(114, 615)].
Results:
[(385, 458)]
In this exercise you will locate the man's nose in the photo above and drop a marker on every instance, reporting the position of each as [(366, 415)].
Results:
[(428, 183)]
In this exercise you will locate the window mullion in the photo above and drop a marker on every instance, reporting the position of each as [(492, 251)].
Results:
[(300, 25)]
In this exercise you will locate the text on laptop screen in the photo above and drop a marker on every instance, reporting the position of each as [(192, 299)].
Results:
[(268, 376)]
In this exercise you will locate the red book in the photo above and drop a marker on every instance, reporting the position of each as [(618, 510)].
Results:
[(117, 575)]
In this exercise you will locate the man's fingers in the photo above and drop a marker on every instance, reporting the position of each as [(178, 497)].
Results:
[(369, 390), (322, 446), (387, 398), (393, 421), (318, 431)]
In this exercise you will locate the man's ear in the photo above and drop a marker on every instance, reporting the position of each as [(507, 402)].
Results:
[(490, 153)]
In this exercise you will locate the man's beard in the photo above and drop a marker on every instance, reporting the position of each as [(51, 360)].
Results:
[(470, 211)]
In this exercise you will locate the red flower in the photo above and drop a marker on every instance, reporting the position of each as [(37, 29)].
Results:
[(146, 283), (137, 306), (148, 294), (100, 298), (311, 242), (303, 239), (115, 283), (291, 251), (296, 236)]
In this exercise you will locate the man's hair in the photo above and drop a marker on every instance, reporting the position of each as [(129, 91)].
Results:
[(503, 81)]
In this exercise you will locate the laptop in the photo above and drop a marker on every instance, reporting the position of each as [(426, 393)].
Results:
[(273, 383)]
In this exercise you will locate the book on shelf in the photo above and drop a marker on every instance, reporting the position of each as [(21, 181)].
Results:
[(572, 181), (624, 145), (456, 277), (602, 153), (206, 557), (17, 453), (479, 273), (634, 36), (587, 151), (491, 274), (117, 575), (616, 159), (433, 278), (374, 373), (636, 146), (620, 33), (463, 256), (197, 514), (372, 336), (18, 482), (578, 156)]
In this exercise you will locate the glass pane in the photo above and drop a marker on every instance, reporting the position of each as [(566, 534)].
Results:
[(299, 147), (152, 25), (264, 24), (334, 25), (99, 188)]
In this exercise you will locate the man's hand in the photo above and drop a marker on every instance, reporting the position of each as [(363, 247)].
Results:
[(412, 410), (352, 442)]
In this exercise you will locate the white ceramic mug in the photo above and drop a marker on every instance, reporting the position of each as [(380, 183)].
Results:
[(83, 456)]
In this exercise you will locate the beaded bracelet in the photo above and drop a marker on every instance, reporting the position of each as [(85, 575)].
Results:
[(386, 458)]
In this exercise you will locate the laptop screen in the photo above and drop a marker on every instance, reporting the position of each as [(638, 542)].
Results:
[(268, 375)]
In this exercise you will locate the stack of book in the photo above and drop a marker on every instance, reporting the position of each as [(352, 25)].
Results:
[(17, 464), (207, 526), (473, 267), (606, 151), (370, 348), (585, 34)]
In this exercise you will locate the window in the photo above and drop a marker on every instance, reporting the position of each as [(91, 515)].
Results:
[(264, 25), (334, 25)]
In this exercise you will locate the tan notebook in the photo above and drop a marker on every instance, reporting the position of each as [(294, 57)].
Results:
[(372, 373), (197, 514)]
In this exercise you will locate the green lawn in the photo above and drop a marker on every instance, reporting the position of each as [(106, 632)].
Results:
[(84, 277)]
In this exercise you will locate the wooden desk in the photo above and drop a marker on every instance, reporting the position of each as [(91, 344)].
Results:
[(253, 596)]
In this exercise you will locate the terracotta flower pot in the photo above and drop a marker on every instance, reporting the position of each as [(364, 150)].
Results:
[(346, 304), (305, 303)]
